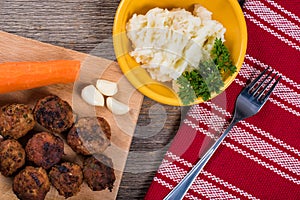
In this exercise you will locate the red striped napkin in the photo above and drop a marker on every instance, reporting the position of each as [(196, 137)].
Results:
[(260, 159)]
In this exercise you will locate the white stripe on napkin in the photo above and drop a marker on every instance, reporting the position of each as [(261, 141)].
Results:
[(263, 65), (202, 187), (211, 176), (282, 91), (292, 15), (246, 154), (248, 140), (274, 19), (272, 32), (256, 129)]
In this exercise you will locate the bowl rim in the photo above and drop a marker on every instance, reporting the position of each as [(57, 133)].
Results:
[(168, 100)]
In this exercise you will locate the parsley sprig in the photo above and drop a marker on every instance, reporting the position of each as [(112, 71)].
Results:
[(208, 77), (221, 57)]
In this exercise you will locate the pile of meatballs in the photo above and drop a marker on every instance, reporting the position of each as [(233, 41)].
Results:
[(34, 158)]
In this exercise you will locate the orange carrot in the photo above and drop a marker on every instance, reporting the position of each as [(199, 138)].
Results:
[(16, 76)]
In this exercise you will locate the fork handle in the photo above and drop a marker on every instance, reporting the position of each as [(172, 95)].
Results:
[(180, 190)]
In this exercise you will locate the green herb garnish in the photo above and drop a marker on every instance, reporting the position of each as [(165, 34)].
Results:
[(221, 57), (208, 77)]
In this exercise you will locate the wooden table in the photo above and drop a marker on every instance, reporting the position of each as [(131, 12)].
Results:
[(86, 26)]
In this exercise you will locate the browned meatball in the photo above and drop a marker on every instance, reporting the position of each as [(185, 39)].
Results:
[(12, 157), (45, 149), (89, 135), (31, 184), (15, 120), (99, 173), (66, 178), (54, 114)]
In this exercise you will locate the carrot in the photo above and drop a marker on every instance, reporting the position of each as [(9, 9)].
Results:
[(16, 76)]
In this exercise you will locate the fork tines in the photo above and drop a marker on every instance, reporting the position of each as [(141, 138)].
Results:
[(258, 88)]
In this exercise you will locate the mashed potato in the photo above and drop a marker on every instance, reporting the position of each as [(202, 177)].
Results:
[(168, 42)]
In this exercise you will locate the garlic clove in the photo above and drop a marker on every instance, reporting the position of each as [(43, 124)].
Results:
[(107, 88), (92, 96), (116, 107)]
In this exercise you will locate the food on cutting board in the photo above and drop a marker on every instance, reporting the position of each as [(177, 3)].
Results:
[(103, 93), (107, 88), (16, 76), (12, 157), (92, 96), (98, 172), (67, 178), (31, 183), (171, 44), (15, 120), (54, 114), (45, 149), (116, 106), (89, 135)]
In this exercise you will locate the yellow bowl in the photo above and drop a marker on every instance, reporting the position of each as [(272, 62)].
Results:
[(228, 12)]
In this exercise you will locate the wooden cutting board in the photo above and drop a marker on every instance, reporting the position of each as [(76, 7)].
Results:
[(16, 48)]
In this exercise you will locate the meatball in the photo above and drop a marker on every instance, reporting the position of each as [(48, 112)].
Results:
[(66, 178), (12, 157), (45, 149), (99, 173), (89, 135), (31, 184), (16, 120), (54, 114)]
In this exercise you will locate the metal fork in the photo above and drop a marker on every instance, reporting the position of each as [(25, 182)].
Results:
[(249, 102)]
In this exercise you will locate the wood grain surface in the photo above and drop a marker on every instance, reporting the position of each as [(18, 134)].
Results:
[(86, 26)]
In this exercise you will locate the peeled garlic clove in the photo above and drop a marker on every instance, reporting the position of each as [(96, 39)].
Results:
[(107, 88), (92, 96), (116, 107)]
